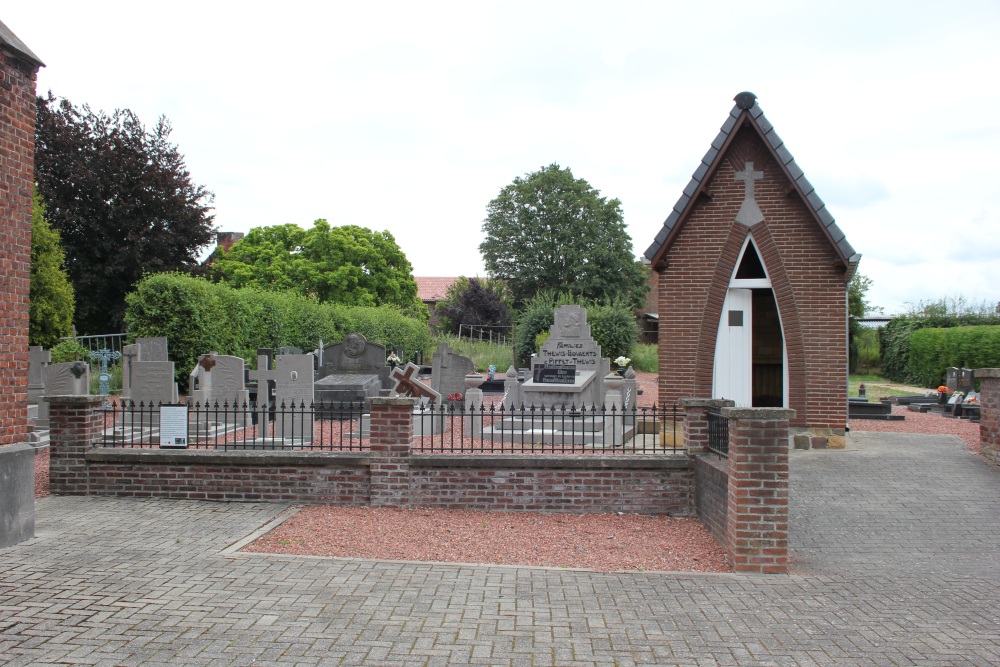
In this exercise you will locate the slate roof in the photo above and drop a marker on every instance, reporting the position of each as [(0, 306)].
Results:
[(11, 41), (747, 108)]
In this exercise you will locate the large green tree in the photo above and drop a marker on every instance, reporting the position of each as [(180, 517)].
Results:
[(122, 200), (50, 311), (552, 231), (349, 265)]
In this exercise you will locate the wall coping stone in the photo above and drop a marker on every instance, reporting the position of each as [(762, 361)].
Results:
[(561, 461), (758, 414), (706, 403), (714, 461), (74, 399), (987, 372), (267, 457), (394, 400)]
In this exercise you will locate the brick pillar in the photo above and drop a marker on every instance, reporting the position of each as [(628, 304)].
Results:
[(695, 429), (75, 424), (757, 525), (989, 412), (391, 442)]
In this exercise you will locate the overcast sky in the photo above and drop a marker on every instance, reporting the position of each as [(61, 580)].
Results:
[(409, 117)]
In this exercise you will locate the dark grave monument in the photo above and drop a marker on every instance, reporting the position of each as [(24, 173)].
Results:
[(352, 371)]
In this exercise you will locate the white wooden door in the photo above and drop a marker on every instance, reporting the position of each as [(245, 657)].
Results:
[(733, 373)]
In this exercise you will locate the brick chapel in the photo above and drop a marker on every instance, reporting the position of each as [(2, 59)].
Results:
[(752, 278)]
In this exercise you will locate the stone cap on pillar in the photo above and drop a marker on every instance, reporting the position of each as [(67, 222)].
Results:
[(74, 398), (758, 414), (395, 400), (987, 372), (705, 403)]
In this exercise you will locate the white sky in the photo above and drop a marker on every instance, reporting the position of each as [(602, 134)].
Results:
[(409, 117)]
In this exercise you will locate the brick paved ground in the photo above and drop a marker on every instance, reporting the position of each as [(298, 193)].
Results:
[(896, 543)]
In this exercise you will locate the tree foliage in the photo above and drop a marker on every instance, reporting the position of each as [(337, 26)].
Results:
[(476, 302), (50, 311), (858, 304), (551, 231), (122, 200), (348, 265)]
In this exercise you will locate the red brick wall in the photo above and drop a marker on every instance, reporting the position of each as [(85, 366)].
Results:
[(989, 418), (757, 502), (809, 287), (17, 141), (644, 485), (330, 477), (711, 484)]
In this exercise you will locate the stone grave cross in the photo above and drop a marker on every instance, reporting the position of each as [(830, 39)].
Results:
[(263, 375), (103, 356), (406, 383)]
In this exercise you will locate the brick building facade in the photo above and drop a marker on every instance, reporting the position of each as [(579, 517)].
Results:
[(18, 72), (752, 285)]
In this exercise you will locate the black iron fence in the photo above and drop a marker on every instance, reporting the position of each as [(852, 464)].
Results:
[(447, 428), (718, 434)]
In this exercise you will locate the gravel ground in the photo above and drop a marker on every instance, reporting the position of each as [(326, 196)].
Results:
[(602, 542), (42, 472)]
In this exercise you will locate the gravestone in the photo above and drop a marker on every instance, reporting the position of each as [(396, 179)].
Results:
[(152, 349), (130, 354), (951, 381), (569, 344), (38, 359), (294, 394), (70, 378), (289, 350), (448, 371), (352, 371), (966, 380), (218, 378), (152, 384)]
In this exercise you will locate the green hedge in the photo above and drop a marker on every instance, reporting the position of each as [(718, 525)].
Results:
[(894, 340), (197, 317), (933, 350)]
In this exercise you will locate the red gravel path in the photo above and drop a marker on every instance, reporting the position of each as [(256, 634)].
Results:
[(602, 542), (42, 473)]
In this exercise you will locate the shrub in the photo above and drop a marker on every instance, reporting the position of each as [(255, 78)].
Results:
[(933, 350), (68, 350), (894, 337), (197, 317)]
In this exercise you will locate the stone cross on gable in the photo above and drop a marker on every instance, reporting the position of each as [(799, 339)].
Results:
[(749, 213), (407, 383)]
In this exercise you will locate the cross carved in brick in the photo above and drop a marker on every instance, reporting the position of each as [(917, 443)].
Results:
[(407, 384), (749, 213)]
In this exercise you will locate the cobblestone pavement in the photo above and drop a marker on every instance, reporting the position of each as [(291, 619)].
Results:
[(895, 543)]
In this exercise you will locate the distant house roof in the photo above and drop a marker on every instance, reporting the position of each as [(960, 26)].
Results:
[(748, 111), (10, 41), (433, 289)]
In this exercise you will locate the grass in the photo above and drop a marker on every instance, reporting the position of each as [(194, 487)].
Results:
[(877, 387), (482, 353), (645, 357)]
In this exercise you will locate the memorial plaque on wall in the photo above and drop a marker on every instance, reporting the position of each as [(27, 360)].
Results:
[(561, 374)]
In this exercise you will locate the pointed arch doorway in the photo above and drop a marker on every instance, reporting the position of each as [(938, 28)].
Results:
[(750, 359)]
